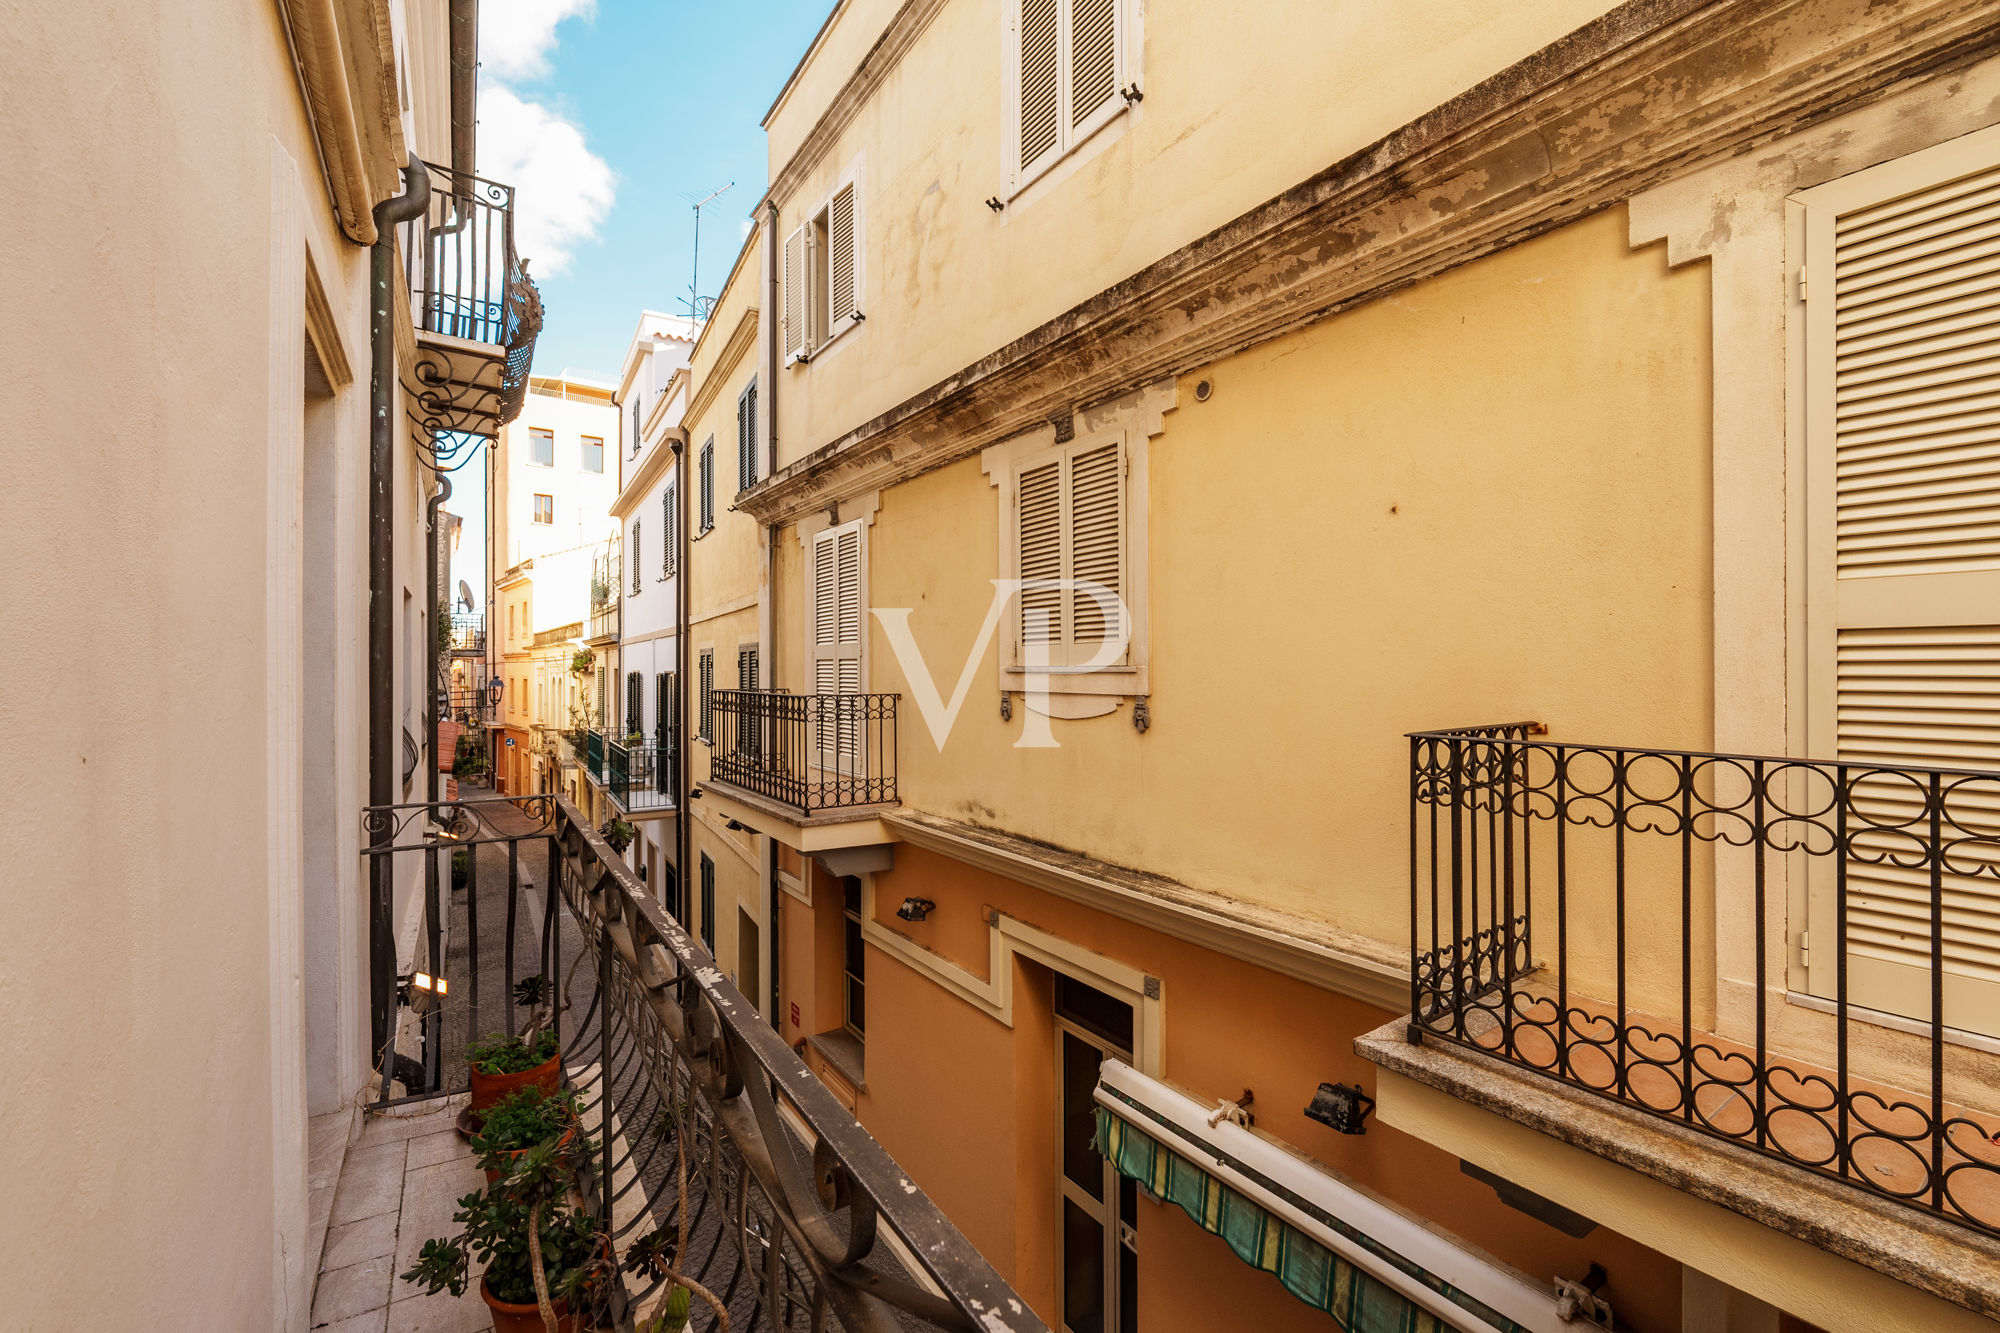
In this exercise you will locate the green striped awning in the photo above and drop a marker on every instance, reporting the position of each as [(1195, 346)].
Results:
[(1358, 1302)]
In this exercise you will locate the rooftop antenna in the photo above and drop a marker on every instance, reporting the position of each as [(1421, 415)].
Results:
[(694, 301)]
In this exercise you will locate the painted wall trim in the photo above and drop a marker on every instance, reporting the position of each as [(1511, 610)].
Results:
[(1347, 964)]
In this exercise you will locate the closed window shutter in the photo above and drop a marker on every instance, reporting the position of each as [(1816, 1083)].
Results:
[(746, 439), (1903, 609), (795, 293), (836, 646), (1041, 552), (636, 548), (670, 526), (706, 684), (840, 259), (1096, 541), (1093, 58), (635, 702), (707, 482), (662, 708), (1040, 125)]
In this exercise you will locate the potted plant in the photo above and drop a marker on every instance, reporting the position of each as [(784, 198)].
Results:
[(546, 1261), (503, 1065), (522, 1120), (618, 833), (581, 661)]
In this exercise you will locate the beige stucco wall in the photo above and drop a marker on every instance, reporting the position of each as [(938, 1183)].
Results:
[(1241, 103), (1483, 499), (159, 939)]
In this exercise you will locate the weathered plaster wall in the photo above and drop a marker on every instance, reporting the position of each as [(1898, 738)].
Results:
[(1482, 500), (1241, 102)]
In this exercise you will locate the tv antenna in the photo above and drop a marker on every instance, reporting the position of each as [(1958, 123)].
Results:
[(694, 296)]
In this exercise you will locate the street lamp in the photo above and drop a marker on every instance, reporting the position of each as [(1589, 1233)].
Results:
[(494, 689)]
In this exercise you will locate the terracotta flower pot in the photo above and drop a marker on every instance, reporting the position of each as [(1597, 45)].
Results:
[(527, 1318), (487, 1089), (568, 1137)]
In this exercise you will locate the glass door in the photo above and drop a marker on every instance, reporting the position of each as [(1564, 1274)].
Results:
[(1096, 1237)]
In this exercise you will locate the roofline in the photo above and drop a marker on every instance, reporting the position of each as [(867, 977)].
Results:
[(804, 60)]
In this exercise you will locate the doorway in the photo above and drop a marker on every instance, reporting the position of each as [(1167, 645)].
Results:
[(1097, 1245)]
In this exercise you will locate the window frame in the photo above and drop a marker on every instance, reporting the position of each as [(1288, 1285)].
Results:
[(634, 561), (536, 434), (536, 510), (1070, 137), (705, 486), (746, 436), (670, 522), (584, 444), (815, 274), (705, 694), (1134, 418), (857, 974)]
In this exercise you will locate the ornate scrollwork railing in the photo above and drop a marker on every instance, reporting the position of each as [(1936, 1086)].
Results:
[(1606, 980), (722, 1164)]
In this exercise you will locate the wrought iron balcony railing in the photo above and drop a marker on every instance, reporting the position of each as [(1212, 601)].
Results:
[(1571, 904), (811, 752), (468, 704), (477, 313), (604, 620), (468, 634), (714, 1152), (640, 774)]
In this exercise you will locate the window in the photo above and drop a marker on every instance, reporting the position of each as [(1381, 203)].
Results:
[(1066, 70), (707, 903), (854, 963), (635, 703), (706, 481), (633, 448), (749, 732), (1069, 528), (633, 556), (664, 707), (823, 271), (834, 653), (545, 509), (705, 682), (1903, 572), (670, 524), (746, 438), (541, 447), (1097, 1244), (593, 454)]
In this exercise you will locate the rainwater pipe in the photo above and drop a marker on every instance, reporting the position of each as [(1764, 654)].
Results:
[(388, 214), (773, 361)]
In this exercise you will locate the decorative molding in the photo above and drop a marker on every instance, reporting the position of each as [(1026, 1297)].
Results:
[(1649, 91), (1364, 969), (324, 330), (711, 381)]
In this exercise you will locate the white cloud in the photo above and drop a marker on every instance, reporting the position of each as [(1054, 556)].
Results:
[(516, 36), (562, 190)]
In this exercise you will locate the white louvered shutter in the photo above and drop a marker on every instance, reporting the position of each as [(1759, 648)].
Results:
[(1097, 543), (840, 259), (1039, 47), (1903, 600), (671, 525), (836, 645), (1039, 532), (1094, 70), (795, 293)]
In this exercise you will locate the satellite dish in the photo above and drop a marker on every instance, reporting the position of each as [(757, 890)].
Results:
[(465, 594)]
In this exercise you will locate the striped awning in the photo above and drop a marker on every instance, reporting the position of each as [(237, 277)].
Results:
[(1331, 1246)]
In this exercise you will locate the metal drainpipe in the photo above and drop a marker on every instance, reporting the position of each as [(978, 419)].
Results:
[(431, 649), (773, 360), (389, 214), (683, 738)]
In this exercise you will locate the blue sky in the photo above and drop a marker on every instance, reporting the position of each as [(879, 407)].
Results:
[(604, 114)]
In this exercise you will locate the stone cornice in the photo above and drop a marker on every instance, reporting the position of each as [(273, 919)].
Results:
[(901, 34), (1650, 90)]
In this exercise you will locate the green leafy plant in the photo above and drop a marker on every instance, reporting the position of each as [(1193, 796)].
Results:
[(502, 1054), (581, 661), (513, 1230), (600, 590), (444, 634), (618, 833), (521, 1121), (673, 1314)]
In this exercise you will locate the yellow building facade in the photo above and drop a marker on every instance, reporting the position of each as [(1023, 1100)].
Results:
[(1169, 410)]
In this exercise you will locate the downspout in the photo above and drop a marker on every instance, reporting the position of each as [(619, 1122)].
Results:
[(773, 359), (464, 73), (431, 648), (388, 215), (683, 715)]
